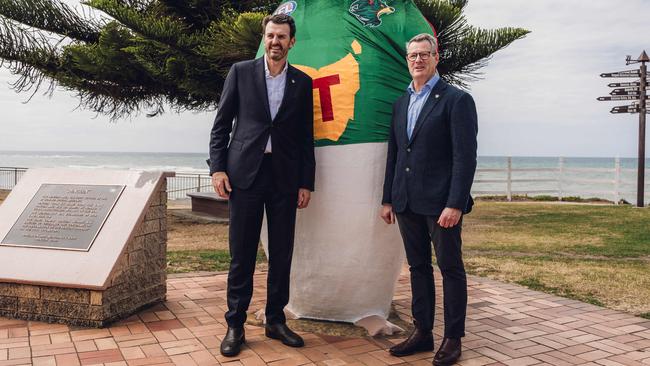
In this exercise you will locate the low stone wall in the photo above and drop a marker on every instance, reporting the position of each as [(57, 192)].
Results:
[(138, 280)]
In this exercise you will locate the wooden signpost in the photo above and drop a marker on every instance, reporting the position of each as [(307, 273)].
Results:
[(634, 91)]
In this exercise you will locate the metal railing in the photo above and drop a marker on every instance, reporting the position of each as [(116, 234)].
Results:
[(183, 183), (559, 181), (9, 176)]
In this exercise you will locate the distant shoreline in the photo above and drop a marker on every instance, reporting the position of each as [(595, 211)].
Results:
[(206, 153)]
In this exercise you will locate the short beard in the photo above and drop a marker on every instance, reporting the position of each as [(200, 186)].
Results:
[(276, 57)]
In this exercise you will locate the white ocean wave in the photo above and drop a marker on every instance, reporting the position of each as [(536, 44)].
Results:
[(148, 168)]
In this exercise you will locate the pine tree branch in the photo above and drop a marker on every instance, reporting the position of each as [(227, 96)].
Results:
[(447, 19), (176, 53), (148, 24), (28, 54), (234, 38), (461, 63), (51, 16)]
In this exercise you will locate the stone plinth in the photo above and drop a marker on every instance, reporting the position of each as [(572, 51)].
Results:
[(131, 275)]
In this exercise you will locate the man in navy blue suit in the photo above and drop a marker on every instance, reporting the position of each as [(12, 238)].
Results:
[(429, 172)]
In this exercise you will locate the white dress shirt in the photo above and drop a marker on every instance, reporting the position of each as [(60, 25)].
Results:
[(275, 92)]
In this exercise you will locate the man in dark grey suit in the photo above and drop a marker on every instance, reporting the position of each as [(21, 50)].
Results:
[(429, 172), (265, 161)]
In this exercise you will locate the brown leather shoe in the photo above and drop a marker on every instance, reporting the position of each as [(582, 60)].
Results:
[(418, 341), (448, 353)]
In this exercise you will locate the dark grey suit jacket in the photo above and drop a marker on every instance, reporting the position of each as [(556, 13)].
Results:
[(244, 99), (435, 169)]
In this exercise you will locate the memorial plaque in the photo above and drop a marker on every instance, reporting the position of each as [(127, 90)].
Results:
[(64, 216)]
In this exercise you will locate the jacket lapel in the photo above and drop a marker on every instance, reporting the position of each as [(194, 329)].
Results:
[(289, 88), (260, 83), (431, 102), (402, 118)]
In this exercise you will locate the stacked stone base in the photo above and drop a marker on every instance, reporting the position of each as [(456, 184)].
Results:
[(139, 280)]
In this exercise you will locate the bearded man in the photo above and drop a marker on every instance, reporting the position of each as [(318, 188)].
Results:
[(262, 158)]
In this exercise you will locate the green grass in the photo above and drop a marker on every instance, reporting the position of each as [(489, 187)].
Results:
[(536, 284), (202, 260), (610, 231), (593, 253), (542, 198)]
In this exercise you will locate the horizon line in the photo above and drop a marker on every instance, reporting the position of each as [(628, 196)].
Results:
[(206, 153)]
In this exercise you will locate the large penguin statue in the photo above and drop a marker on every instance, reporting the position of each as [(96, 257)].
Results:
[(346, 260)]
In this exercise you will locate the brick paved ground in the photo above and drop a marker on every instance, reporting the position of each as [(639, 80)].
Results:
[(507, 325)]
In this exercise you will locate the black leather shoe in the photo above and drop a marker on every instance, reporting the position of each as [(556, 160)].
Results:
[(231, 344), (418, 341), (283, 333), (448, 353)]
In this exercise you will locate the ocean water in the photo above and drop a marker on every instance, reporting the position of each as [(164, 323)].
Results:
[(582, 177), (178, 162)]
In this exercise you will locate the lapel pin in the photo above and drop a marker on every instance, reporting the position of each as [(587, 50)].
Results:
[(293, 81), (437, 95)]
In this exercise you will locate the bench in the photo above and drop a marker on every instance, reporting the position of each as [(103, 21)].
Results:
[(209, 203)]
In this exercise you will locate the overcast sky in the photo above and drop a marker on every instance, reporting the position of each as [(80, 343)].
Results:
[(537, 98)]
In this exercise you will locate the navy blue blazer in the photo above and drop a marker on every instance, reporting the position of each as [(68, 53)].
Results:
[(435, 168), (239, 150)]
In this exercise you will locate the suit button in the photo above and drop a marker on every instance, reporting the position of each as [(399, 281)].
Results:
[(408, 150), (408, 169)]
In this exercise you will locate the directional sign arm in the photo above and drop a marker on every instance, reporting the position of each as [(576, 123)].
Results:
[(621, 74), (625, 109), (627, 84), (619, 97), (626, 91)]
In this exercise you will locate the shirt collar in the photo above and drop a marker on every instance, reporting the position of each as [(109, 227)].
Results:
[(427, 87), (267, 72)]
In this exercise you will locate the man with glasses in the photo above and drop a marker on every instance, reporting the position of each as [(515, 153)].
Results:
[(429, 172)]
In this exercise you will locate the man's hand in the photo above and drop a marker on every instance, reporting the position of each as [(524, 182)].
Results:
[(387, 214), (304, 195), (449, 217), (221, 184)]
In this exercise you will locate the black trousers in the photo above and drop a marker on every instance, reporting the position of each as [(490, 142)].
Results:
[(246, 213), (418, 231)]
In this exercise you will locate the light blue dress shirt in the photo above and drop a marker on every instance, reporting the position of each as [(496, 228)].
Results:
[(275, 92), (417, 101)]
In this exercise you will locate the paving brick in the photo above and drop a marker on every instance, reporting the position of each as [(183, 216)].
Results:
[(523, 361), (70, 359), (53, 349), (507, 325), (164, 325), (43, 361), (96, 357), (594, 355)]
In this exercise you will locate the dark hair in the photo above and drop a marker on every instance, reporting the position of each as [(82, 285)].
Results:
[(280, 19)]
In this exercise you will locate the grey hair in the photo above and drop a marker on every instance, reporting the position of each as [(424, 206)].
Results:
[(425, 37)]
